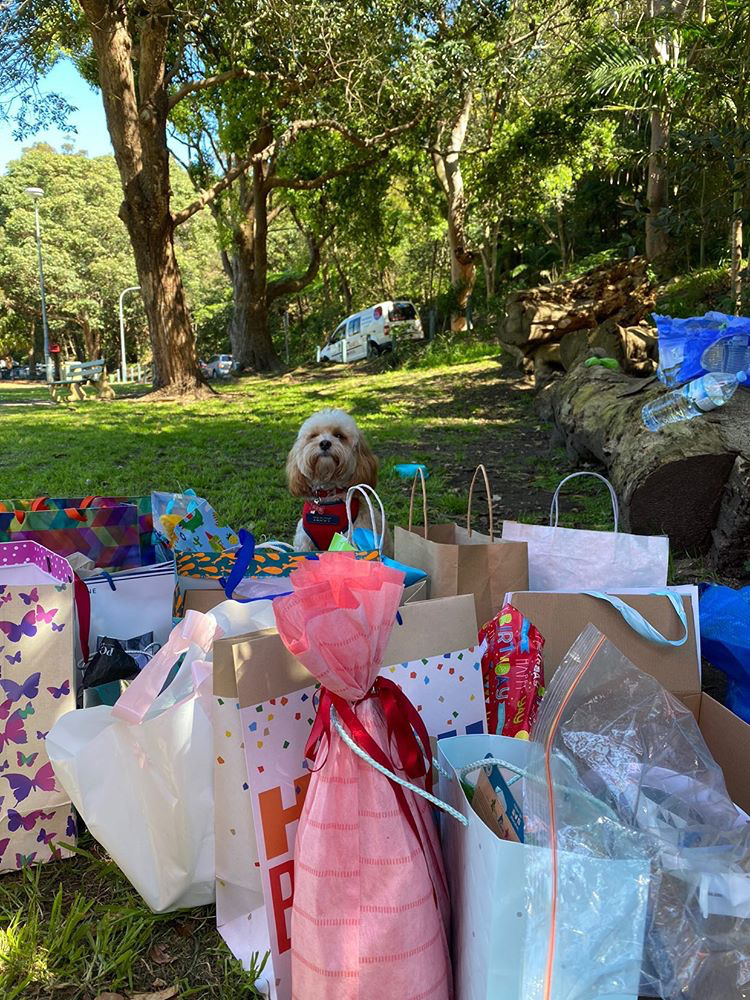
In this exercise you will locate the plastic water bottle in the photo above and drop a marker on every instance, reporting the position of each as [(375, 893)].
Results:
[(691, 400), (730, 354)]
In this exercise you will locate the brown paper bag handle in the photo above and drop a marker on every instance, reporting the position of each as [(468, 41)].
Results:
[(481, 468), (418, 475)]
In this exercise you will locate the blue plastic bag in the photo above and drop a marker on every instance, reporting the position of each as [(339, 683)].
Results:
[(683, 341), (725, 641)]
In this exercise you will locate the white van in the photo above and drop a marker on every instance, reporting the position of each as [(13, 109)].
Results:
[(370, 332)]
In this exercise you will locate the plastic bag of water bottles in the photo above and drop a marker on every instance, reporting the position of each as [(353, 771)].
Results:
[(689, 348)]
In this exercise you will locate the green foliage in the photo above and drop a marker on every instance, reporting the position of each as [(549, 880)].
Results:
[(87, 256), (76, 929), (695, 294)]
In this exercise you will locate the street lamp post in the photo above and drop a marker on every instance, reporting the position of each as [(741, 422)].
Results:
[(35, 193), (124, 369)]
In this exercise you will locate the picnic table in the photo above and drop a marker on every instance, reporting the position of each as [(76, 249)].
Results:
[(76, 375)]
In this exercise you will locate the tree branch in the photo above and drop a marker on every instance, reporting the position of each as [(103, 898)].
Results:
[(353, 137), (214, 81), (288, 286), (206, 197), (300, 184)]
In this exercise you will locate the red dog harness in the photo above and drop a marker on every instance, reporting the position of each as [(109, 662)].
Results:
[(321, 519)]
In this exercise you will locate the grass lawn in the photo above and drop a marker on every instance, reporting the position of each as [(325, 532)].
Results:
[(74, 930)]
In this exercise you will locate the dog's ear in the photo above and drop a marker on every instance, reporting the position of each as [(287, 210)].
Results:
[(367, 465), (297, 483)]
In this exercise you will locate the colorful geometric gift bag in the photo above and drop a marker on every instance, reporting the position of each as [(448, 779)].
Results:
[(107, 531), (147, 538), (37, 626), (370, 910)]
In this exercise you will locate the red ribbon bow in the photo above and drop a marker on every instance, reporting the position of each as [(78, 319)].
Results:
[(405, 728)]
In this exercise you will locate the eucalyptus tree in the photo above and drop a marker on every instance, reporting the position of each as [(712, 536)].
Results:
[(360, 92)]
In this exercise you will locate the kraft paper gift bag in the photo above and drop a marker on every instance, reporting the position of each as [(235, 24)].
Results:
[(460, 560), (37, 628), (569, 559), (276, 695)]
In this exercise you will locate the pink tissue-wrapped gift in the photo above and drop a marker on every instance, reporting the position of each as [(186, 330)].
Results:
[(370, 911)]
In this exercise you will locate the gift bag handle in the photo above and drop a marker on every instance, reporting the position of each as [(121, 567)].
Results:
[(245, 556), (639, 624), (555, 506), (395, 778), (137, 699), (480, 468), (418, 475), (365, 489)]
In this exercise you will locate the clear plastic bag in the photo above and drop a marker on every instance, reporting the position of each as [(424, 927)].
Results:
[(654, 797)]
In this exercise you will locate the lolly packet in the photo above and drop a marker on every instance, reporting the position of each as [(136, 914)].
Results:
[(513, 672)]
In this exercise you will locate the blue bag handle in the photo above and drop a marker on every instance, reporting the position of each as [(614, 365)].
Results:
[(639, 624), (245, 556)]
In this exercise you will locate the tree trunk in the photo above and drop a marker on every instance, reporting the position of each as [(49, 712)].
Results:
[(672, 482), (137, 124), (346, 288), (657, 186), (91, 340), (736, 249), (447, 167), (563, 238)]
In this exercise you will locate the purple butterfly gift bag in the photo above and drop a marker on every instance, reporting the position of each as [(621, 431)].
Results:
[(37, 663)]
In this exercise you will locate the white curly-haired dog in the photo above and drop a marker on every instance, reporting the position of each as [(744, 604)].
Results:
[(329, 455)]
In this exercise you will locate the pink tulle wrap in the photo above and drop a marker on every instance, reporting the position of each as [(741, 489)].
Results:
[(370, 911)]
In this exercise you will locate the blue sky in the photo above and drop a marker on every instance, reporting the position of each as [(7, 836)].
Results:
[(91, 127)]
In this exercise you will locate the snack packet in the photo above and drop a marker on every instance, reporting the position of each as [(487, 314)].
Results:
[(496, 805), (513, 672)]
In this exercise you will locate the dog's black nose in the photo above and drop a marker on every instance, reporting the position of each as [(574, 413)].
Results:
[(325, 444)]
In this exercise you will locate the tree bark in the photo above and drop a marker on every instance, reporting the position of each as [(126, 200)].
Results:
[(736, 252), (137, 124), (91, 340), (447, 166), (657, 242), (346, 288), (672, 482), (253, 293)]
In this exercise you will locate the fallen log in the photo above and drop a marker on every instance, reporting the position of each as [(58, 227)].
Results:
[(587, 313), (687, 481)]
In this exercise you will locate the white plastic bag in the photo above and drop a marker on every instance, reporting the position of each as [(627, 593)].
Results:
[(140, 774), (568, 559)]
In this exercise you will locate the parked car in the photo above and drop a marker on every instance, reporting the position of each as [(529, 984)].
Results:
[(370, 332), (219, 366)]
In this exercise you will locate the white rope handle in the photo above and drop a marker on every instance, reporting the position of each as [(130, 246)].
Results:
[(274, 544), (390, 775), (365, 489), (554, 510), (518, 772)]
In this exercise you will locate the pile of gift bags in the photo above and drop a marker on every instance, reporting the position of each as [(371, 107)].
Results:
[(482, 767)]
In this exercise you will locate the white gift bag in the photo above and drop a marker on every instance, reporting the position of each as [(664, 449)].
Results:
[(487, 878), (140, 774), (569, 559), (128, 604), (238, 879)]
